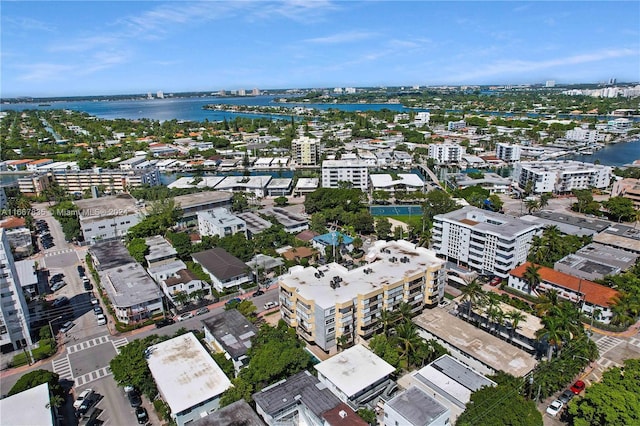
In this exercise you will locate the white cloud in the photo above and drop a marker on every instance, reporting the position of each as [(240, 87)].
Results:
[(44, 71), (28, 24), (520, 66), (338, 38)]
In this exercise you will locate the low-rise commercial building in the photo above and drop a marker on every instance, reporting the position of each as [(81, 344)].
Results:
[(255, 224), (407, 182), (560, 176), (482, 240), (492, 182), (292, 222), (589, 295), (106, 218), (188, 379), (191, 204), (280, 187), (620, 236), (330, 301), (595, 261), (230, 332), (306, 186), (133, 294), (254, 184), (19, 236), (356, 375), (30, 407), (414, 407), (472, 346)]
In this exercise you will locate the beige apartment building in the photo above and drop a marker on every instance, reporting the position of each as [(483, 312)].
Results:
[(326, 302)]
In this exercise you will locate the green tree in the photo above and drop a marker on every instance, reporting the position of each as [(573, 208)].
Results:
[(438, 202), (241, 389), (36, 378), (130, 367), (620, 208), (182, 243), (281, 201), (138, 249), (500, 405), (614, 400), (383, 228), (532, 276), (239, 202), (472, 293)]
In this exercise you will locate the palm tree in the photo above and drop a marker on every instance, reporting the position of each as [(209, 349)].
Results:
[(544, 200), (408, 339), (552, 332), (532, 276), (515, 317), (387, 318), (403, 313), (532, 205), (547, 303), (472, 293)]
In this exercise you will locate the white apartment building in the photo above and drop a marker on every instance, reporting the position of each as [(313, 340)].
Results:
[(111, 181), (445, 153), (220, 222), (14, 329), (482, 240), (3, 199), (106, 218), (305, 151), (560, 176), (330, 301), (452, 126), (354, 172), (507, 152), (583, 135), (422, 119)]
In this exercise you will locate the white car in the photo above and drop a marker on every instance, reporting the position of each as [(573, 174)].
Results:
[(185, 316), (84, 394), (102, 320), (554, 408)]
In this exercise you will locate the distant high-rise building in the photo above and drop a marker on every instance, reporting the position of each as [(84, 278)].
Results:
[(550, 83), (14, 329), (305, 151), (350, 90), (160, 94), (337, 90), (149, 95), (242, 92), (507, 152), (255, 92), (222, 92)]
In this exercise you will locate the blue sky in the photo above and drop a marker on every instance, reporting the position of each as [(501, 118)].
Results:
[(70, 48)]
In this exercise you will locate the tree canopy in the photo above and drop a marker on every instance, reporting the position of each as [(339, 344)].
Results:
[(36, 378)]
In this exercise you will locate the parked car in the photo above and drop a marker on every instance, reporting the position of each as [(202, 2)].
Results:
[(133, 396), (67, 326), (87, 403), (566, 396), (185, 316), (202, 311), (87, 285), (257, 293), (81, 270), (58, 285), (141, 415), (60, 301), (270, 305), (233, 301), (164, 322), (85, 393), (102, 320), (97, 309), (554, 408), (56, 277), (95, 301), (577, 387)]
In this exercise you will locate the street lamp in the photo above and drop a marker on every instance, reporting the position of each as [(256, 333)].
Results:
[(51, 327)]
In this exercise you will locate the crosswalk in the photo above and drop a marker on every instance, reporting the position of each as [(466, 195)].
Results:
[(57, 252), (635, 342), (607, 363), (118, 343), (88, 344), (607, 343), (62, 367), (92, 376)]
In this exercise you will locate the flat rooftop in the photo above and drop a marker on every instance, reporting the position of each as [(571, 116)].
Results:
[(106, 207), (597, 225), (488, 349), (185, 373), (354, 369), (285, 217), (381, 270), (239, 413), (235, 182), (28, 408), (280, 183), (190, 182), (255, 224), (622, 259), (417, 407), (129, 285), (388, 181), (202, 198), (488, 222), (110, 254), (159, 248), (307, 183), (452, 379), (220, 216)]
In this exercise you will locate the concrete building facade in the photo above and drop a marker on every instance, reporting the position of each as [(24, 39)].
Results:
[(560, 176), (354, 172)]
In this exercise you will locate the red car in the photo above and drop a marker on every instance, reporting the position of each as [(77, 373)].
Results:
[(577, 387)]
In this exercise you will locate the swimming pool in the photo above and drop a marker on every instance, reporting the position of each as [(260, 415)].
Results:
[(395, 210)]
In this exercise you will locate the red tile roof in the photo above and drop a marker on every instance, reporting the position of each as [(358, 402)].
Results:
[(594, 294), (343, 415), (13, 222)]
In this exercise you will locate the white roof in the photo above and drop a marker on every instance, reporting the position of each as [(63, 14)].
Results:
[(386, 180), (380, 269), (187, 182), (26, 270), (307, 183), (354, 369), (185, 373), (234, 182), (27, 408)]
